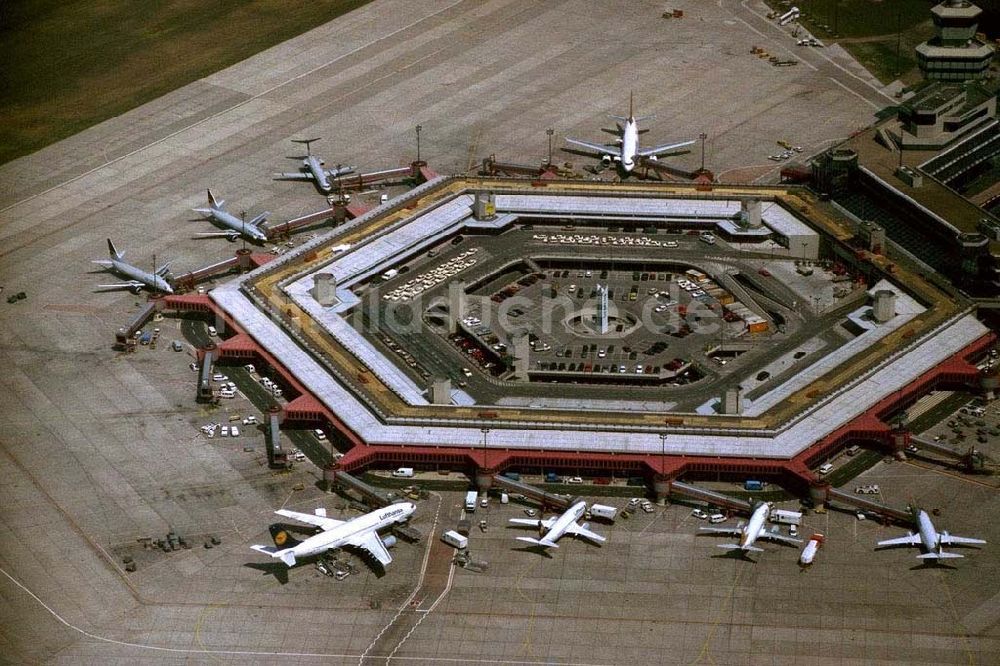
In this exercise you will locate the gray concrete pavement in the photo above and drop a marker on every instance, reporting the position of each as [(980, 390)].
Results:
[(99, 449)]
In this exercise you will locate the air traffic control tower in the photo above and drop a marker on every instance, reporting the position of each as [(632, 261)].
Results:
[(954, 53)]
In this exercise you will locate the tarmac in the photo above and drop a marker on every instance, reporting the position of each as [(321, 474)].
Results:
[(101, 449)]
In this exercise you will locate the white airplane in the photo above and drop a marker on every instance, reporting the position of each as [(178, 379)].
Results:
[(361, 532), (930, 540), (752, 531), (627, 151), (556, 527), (235, 227), (138, 278), (313, 169)]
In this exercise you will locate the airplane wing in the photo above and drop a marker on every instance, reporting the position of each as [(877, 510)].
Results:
[(534, 522), (321, 522), (218, 234), (372, 543), (600, 148), (298, 175), (333, 173), (910, 540), (774, 536), (133, 284), (260, 219), (952, 540), (658, 150), (722, 530), (580, 530)]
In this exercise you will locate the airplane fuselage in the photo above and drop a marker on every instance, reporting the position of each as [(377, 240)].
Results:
[(230, 221), (929, 536), (315, 167), (338, 536), (630, 144), (753, 528), (133, 273), (570, 516)]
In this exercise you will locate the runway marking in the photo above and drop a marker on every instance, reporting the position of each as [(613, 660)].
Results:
[(231, 108), (259, 653), (743, 3), (714, 625), (416, 588)]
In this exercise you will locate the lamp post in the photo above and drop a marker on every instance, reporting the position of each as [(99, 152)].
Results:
[(243, 221), (550, 132), (485, 432), (418, 142), (702, 136)]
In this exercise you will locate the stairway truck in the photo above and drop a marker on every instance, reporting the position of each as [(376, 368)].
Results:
[(471, 498), (603, 511), (786, 517)]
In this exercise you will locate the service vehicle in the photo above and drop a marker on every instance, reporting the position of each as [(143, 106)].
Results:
[(786, 517), (454, 539), (403, 472), (603, 511), (471, 498)]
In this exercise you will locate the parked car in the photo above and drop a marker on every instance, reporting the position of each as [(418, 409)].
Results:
[(699, 514)]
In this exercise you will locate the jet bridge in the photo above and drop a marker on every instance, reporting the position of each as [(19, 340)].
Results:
[(125, 334), (369, 493), (543, 497), (276, 455), (971, 459), (868, 505), (205, 392), (710, 496)]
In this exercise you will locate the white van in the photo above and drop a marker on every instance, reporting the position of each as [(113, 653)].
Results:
[(825, 468), (403, 472), (453, 538), (471, 498), (212, 332)]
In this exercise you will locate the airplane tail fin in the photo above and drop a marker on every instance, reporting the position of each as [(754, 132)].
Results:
[(281, 537), (307, 142), (538, 542), (214, 203), (939, 556), (113, 251)]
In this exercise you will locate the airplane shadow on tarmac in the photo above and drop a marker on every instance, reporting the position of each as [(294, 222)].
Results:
[(276, 569)]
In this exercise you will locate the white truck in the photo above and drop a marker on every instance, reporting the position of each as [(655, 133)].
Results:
[(453, 538), (471, 498), (403, 473), (786, 517), (603, 511)]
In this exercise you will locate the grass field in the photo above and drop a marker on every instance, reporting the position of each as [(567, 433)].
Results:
[(70, 65), (868, 28)]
